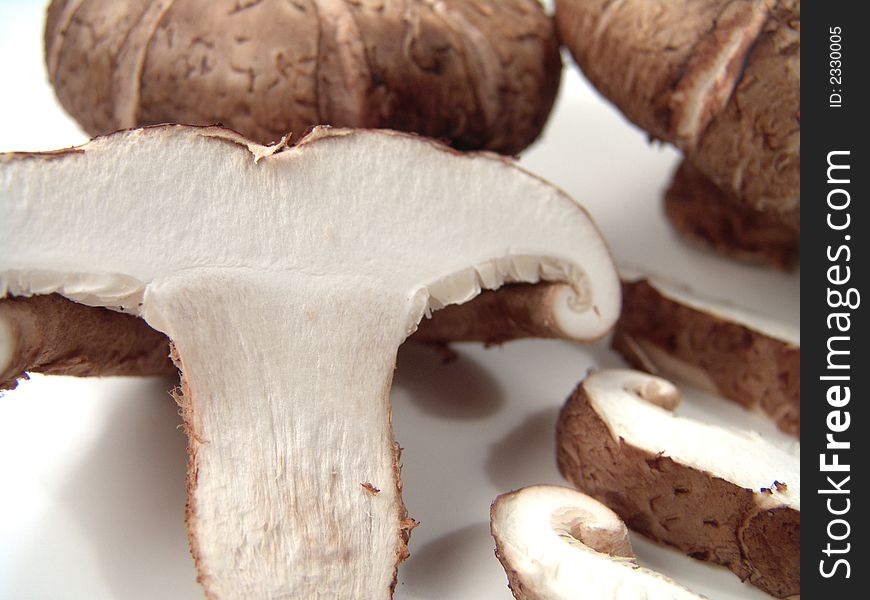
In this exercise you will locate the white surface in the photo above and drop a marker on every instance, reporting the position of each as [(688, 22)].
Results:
[(93, 470)]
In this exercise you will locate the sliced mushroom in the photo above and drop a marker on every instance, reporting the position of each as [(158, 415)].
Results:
[(558, 544), (286, 278), (720, 495), (713, 218), (753, 360)]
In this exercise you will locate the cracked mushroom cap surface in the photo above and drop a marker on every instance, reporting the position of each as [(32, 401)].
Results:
[(667, 329), (482, 74), (285, 279), (718, 78), (721, 495), (558, 544)]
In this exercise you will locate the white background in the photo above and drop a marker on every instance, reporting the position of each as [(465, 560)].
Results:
[(92, 471)]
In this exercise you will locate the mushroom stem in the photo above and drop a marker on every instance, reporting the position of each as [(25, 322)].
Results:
[(277, 502)]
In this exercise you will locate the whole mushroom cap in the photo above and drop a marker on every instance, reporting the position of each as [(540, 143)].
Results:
[(480, 74), (720, 79)]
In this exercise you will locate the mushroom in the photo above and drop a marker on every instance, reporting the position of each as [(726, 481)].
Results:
[(720, 79), (753, 360), (720, 495), (710, 217), (286, 278), (558, 544), (481, 74)]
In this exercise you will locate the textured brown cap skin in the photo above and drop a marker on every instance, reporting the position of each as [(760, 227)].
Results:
[(56, 336), (480, 73), (745, 366), (706, 517), (705, 215), (718, 78)]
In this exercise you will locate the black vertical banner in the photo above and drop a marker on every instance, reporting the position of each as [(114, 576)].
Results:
[(835, 367)]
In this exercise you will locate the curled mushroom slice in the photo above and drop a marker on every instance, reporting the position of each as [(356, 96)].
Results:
[(753, 360), (720, 495), (286, 278), (558, 544), (712, 218)]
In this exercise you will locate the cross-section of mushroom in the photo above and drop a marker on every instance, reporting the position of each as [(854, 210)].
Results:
[(558, 544), (286, 279), (482, 74), (668, 330), (722, 495)]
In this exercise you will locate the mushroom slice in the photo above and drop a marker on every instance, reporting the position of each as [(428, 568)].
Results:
[(753, 360), (720, 495), (710, 217), (286, 278), (558, 544)]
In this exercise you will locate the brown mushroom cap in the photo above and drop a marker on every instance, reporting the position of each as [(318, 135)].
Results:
[(718, 78), (705, 215), (481, 74)]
